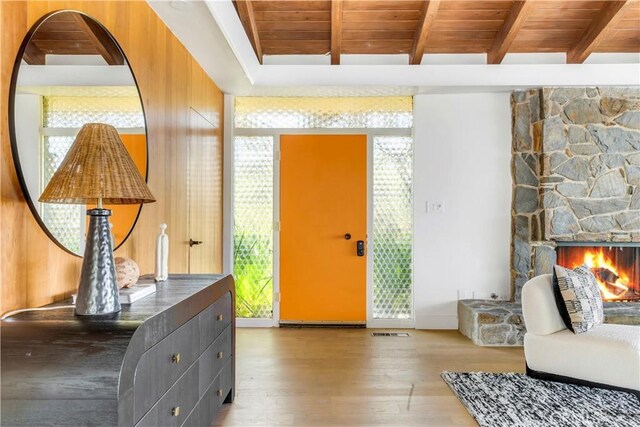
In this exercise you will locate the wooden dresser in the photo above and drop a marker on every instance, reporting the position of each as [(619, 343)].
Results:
[(166, 360)]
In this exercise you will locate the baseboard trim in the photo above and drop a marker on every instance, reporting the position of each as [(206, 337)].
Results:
[(321, 324), (255, 323), (545, 376), (445, 321)]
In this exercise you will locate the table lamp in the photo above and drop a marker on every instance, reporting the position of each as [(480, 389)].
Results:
[(96, 170)]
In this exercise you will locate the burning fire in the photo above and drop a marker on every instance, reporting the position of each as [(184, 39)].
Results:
[(613, 283)]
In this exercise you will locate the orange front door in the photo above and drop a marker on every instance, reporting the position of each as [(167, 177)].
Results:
[(323, 197)]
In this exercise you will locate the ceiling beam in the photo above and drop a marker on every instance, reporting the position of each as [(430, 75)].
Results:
[(336, 31), (248, 17), (429, 11), (610, 13), (33, 55), (101, 40), (507, 34)]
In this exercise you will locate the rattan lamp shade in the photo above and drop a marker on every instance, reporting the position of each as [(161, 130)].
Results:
[(97, 166)]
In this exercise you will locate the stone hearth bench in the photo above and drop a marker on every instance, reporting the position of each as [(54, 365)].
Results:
[(500, 323)]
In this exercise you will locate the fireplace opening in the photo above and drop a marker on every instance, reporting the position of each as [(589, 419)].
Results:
[(617, 268)]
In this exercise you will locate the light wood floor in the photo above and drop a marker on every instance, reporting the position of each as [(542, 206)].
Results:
[(346, 377)]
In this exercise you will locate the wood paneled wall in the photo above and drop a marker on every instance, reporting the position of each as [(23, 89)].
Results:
[(34, 271)]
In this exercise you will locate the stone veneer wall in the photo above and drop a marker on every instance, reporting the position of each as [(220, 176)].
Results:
[(576, 172)]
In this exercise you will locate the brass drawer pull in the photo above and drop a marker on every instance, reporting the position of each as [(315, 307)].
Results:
[(219, 393), (175, 411), (220, 355), (219, 317), (175, 358)]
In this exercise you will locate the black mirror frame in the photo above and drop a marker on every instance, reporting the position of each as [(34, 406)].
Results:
[(12, 126)]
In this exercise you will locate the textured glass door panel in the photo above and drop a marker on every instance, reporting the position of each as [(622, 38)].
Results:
[(65, 222), (324, 112), (392, 227), (253, 226)]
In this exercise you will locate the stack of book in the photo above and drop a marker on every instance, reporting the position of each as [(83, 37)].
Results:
[(134, 293)]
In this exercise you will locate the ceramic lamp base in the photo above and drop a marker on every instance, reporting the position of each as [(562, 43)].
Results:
[(98, 288)]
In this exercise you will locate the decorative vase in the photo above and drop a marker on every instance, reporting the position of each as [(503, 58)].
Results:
[(162, 255), (98, 288), (127, 272)]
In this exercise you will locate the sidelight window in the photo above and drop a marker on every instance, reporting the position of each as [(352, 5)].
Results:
[(253, 226)]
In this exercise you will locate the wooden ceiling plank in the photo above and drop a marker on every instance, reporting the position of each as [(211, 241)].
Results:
[(293, 26), (59, 35), (291, 5), (493, 25), (381, 47), (471, 15), (336, 31), (552, 24), (296, 47), (248, 17), (476, 5), (507, 34), (429, 11), (381, 15), (609, 15), (294, 35), (293, 15), (387, 26), (368, 5), (378, 35), (101, 40)]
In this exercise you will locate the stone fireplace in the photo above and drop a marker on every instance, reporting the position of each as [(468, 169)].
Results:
[(576, 173), (576, 183)]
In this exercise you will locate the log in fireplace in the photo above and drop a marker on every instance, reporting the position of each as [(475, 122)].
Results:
[(616, 267)]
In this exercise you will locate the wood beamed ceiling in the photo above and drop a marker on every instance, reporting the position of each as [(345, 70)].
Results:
[(70, 33), (415, 28)]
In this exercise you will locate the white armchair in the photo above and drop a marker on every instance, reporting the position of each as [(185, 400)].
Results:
[(606, 356)]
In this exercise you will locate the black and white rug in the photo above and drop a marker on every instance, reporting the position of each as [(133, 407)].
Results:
[(516, 400)]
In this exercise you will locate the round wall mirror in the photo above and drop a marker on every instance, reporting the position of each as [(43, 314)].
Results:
[(70, 71)]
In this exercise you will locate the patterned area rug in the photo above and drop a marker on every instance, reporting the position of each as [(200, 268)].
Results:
[(510, 400)]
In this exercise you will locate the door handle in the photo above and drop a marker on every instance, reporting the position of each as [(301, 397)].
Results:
[(360, 248), (194, 242), (347, 236)]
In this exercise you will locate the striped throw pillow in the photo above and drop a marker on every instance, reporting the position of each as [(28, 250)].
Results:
[(580, 294)]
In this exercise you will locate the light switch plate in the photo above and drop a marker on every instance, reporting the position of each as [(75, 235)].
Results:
[(435, 207)]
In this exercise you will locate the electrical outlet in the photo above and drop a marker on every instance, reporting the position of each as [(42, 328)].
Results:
[(435, 207)]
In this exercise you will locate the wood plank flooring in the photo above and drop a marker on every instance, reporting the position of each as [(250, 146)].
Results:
[(346, 377)]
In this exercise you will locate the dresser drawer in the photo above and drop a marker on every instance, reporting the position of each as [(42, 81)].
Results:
[(225, 380), (214, 319), (206, 409), (175, 406), (161, 365), (214, 358)]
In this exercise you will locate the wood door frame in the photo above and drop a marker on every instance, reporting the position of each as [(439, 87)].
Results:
[(228, 211)]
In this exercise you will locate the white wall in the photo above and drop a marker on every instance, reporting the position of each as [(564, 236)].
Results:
[(28, 116), (462, 158)]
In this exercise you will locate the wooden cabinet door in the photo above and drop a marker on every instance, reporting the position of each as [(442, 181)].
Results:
[(205, 196)]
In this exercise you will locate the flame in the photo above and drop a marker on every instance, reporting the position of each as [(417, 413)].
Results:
[(596, 259)]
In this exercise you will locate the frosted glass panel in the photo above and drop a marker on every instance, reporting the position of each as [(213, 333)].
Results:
[(75, 111), (392, 227), (309, 113), (65, 222), (253, 226)]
